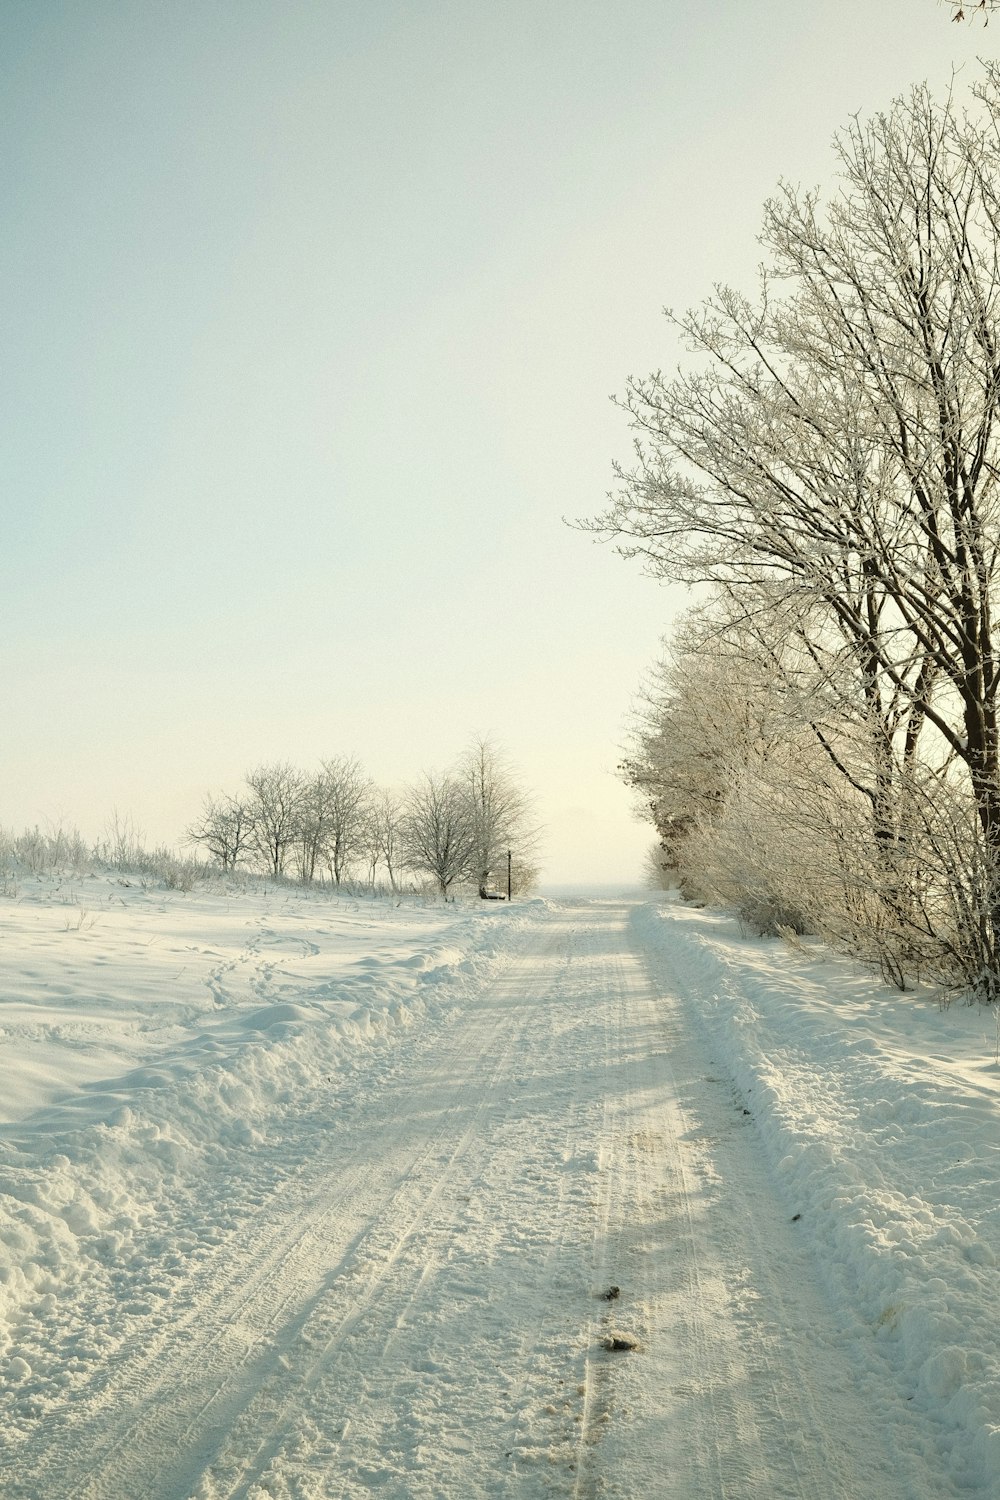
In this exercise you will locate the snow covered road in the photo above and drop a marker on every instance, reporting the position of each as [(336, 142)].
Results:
[(392, 1285)]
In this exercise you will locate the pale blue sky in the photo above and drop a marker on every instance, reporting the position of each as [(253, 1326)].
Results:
[(310, 314)]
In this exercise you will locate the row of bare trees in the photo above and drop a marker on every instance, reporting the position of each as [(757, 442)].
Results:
[(453, 828), (821, 744)]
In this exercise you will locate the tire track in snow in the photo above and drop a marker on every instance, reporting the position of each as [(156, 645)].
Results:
[(158, 1397), (563, 1399), (413, 1312), (721, 1416), (328, 1322), (744, 1392), (595, 1386), (367, 1364)]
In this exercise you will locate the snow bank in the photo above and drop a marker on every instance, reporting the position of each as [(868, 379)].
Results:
[(878, 1113), (147, 1037)]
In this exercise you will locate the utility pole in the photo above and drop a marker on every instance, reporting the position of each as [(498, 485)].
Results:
[(508, 874)]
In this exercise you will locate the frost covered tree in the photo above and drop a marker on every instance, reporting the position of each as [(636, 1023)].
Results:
[(225, 829), (455, 827), (348, 793), (836, 444), (714, 726), (438, 837), (657, 873), (500, 813), (689, 735), (371, 852), (316, 817), (333, 818), (385, 833), (381, 837), (276, 799)]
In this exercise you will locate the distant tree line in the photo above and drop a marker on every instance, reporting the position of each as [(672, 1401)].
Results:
[(452, 828), (819, 746)]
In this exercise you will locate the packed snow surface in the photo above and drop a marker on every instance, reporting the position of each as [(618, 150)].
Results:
[(310, 1197)]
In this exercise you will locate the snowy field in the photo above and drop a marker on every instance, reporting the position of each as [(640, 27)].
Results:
[(307, 1197)]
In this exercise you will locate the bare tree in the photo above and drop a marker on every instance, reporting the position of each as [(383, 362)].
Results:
[(371, 848), (276, 806), (839, 444), (384, 837), (500, 812), (347, 792), (225, 829), (316, 820), (437, 834)]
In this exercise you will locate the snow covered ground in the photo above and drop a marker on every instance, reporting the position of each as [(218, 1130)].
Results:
[(305, 1197), (878, 1118)]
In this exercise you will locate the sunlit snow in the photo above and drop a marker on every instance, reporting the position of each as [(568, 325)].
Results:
[(318, 1196)]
